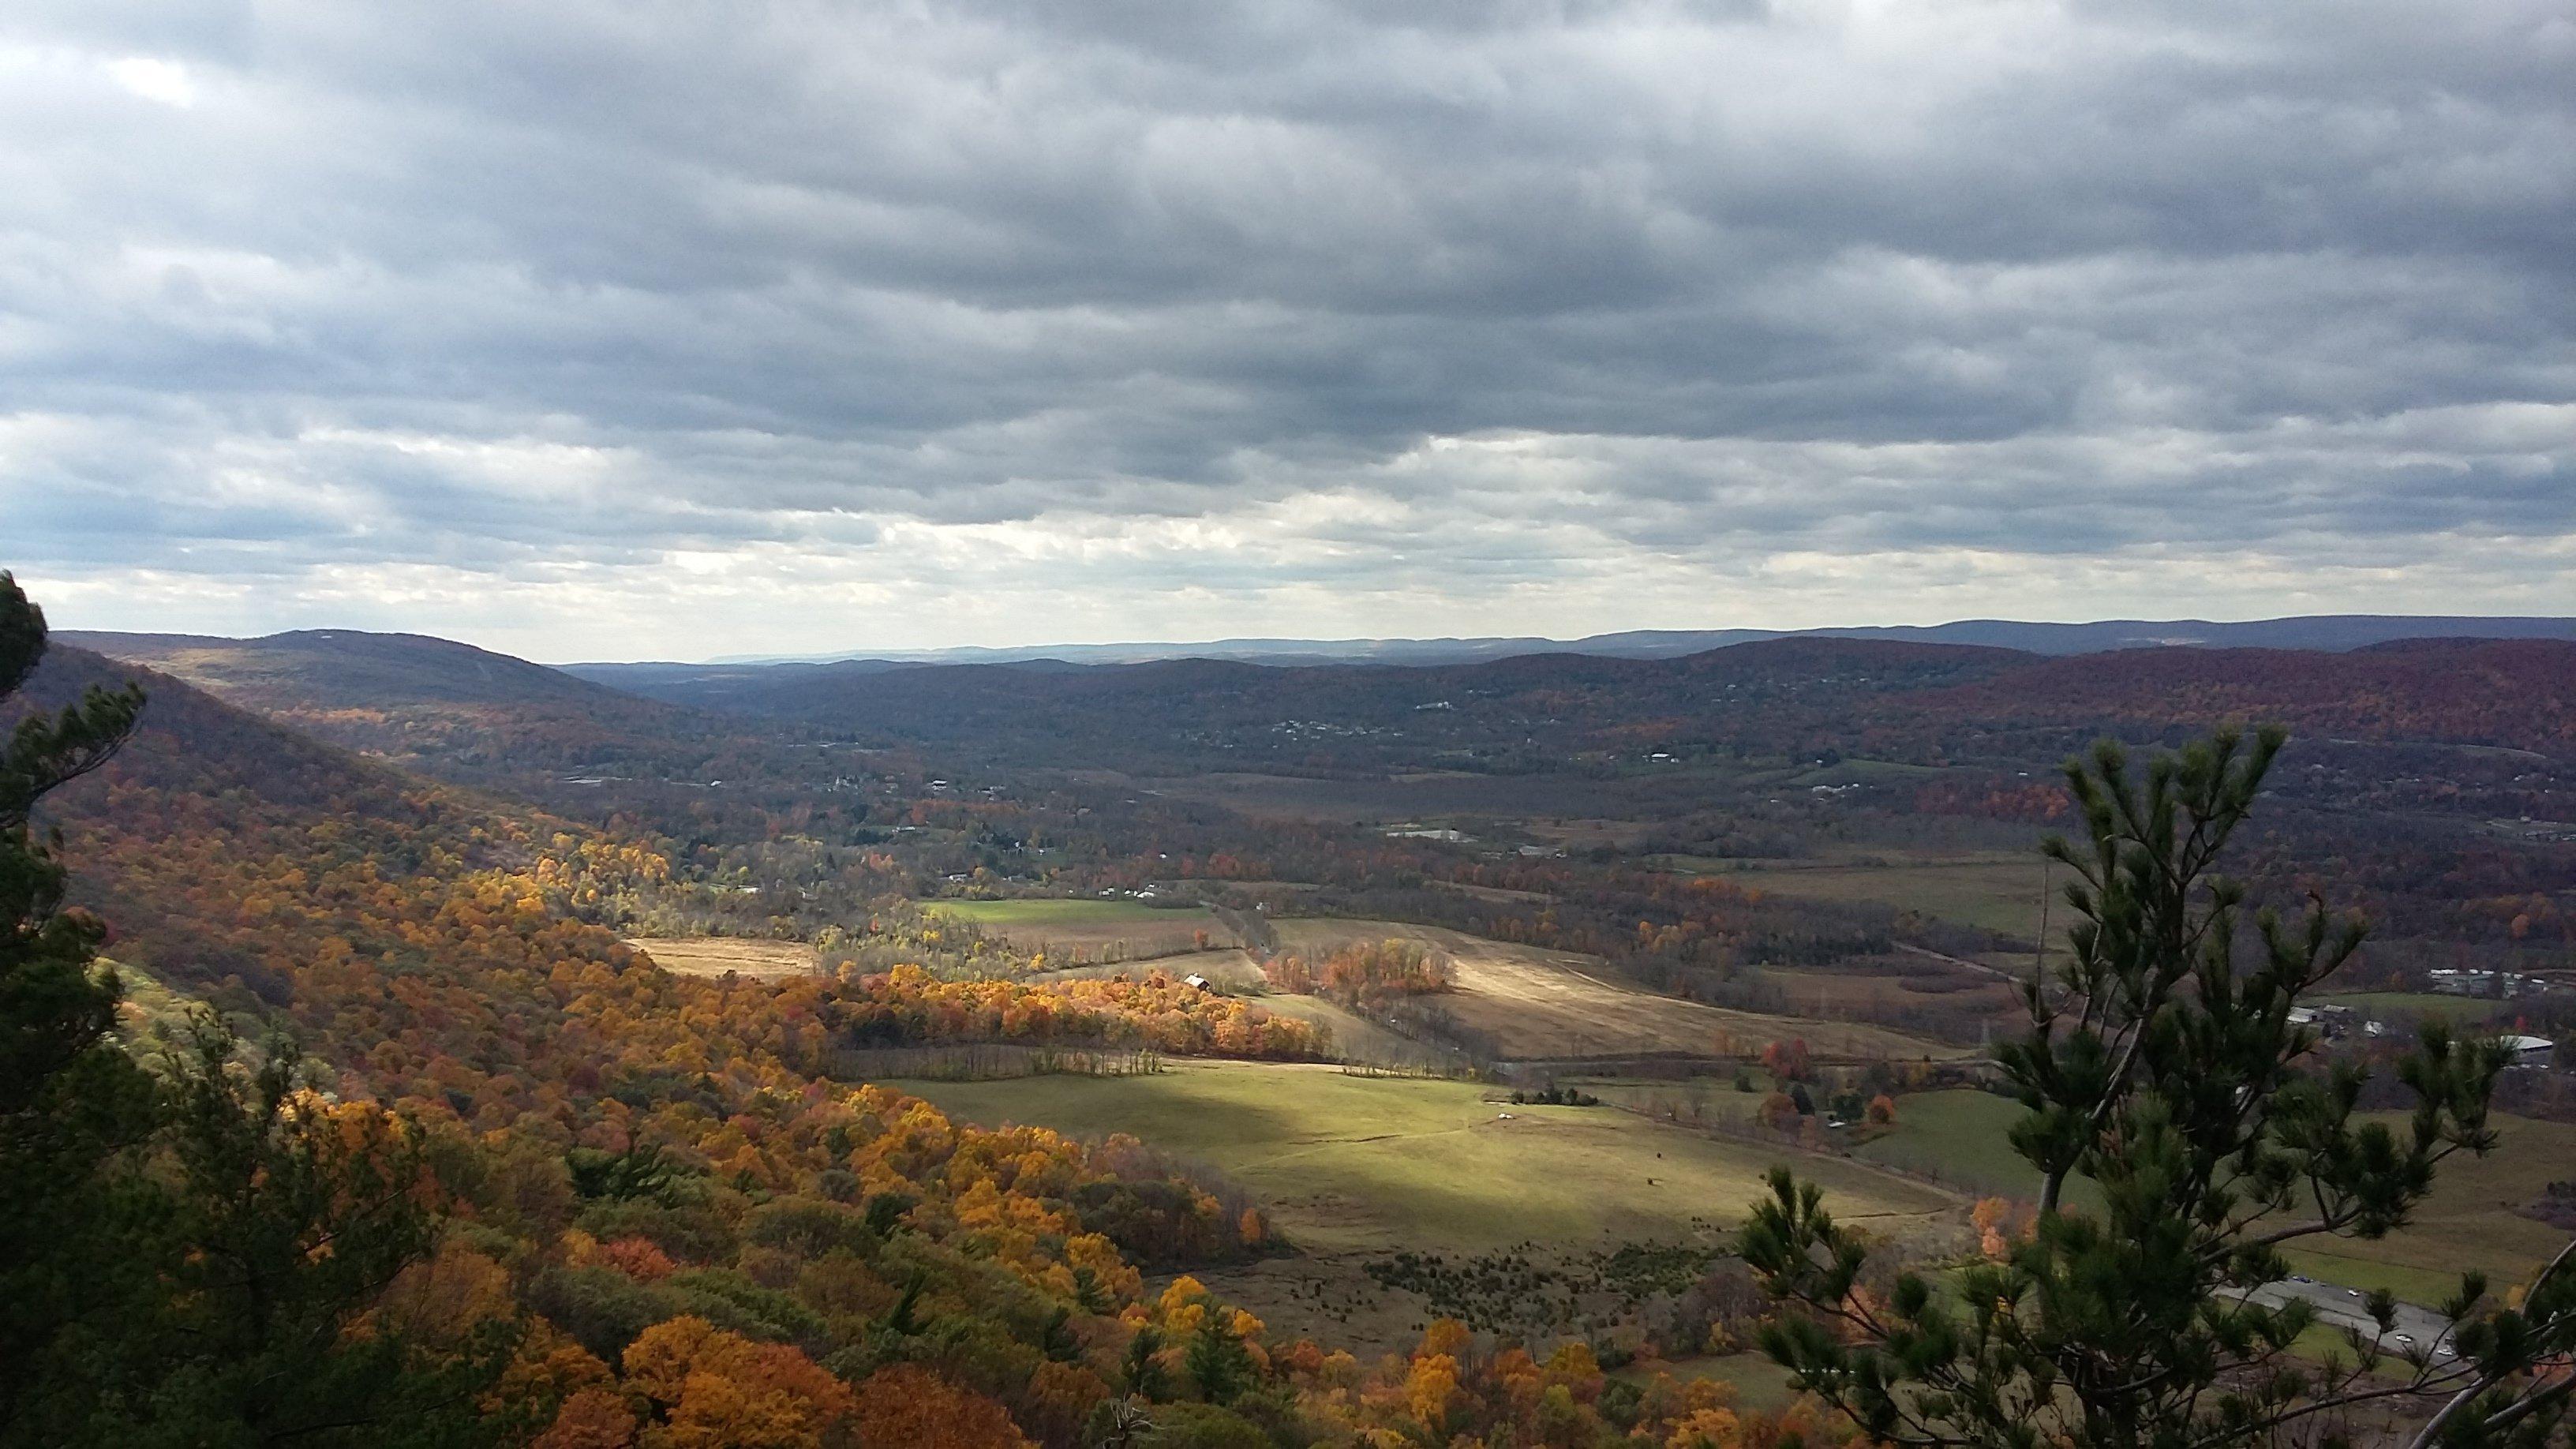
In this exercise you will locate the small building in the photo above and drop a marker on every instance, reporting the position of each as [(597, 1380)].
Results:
[(2528, 1051), (2330, 1022), (1197, 983)]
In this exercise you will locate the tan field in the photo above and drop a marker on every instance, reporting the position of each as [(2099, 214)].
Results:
[(719, 955), (1560, 1004), (1096, 930)]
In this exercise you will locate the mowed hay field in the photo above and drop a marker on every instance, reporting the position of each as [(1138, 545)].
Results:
[(1907, 980), (717, 955), (1555, 1005), (1356, 1167), (1095, 928)]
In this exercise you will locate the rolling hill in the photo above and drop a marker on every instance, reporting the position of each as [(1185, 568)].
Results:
[(1932, 703), (1215, 711), (448, 708), (2515, 694), (389, 920), (2317, 631)]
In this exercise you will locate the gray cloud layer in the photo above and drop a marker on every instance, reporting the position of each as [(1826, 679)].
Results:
[(616, 329)]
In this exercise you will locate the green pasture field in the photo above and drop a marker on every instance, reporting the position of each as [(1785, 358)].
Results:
[(1352, 1169), (1958, 1136), (2470, 1222), (1379, 1163), (2464, 1009), (1994, 893)]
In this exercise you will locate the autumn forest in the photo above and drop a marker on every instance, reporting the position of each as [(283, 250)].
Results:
[(361, 1109)]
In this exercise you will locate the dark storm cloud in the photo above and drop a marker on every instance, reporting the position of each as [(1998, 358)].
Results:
[(603, 307)]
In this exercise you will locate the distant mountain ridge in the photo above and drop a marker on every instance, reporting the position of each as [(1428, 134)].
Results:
[(2329, 632), (483, 718), (428, 703)]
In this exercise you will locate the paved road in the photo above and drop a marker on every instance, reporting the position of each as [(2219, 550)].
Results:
[(2340, 1307)]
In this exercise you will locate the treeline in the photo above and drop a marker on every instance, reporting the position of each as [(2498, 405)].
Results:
[(909, 1007), (1366, 974)]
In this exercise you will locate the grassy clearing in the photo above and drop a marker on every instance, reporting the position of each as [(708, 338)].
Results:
[(1958, 1137), (1352, 1168), (718, 955), (1994, 893), (1709, 1099), (2469, 1223), (2384, 1004), (1378, 1163)]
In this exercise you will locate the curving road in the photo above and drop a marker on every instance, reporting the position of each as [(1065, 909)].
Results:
[(2340, 1307)]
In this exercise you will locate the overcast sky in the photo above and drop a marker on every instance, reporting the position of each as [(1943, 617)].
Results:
[(619, 330)]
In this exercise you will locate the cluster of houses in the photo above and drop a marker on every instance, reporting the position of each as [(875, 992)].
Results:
[(2336, 1022), (2489, 985)]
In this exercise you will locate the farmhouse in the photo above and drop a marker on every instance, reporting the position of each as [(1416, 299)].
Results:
[(1196, 983)]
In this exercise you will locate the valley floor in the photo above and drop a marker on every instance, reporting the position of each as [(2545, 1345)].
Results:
[(1354, 1168)]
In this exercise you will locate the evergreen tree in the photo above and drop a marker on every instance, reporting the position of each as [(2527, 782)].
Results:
[(293, 1214), (1216, 1360), (71, 1099), (1140, 1373), (185, 1259), (2166, 1071)]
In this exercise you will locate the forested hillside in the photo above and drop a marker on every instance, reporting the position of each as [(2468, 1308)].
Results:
[(646, 1181), (2516, 694), (1926, 703), (639, 1206), (433, 704)]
